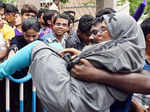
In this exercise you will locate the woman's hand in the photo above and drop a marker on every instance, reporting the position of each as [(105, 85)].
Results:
[(73, 51)]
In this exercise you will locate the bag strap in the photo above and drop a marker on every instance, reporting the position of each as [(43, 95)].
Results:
[(45, 47)]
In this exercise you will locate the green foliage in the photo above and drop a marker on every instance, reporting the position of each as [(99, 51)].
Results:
[(64, 1), (121, 2), (9, 1), (134, 4)]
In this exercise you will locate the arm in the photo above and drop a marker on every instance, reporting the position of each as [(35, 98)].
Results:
[(133, 82), (18, 61), (139, 11)]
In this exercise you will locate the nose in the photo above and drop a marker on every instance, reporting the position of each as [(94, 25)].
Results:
[(91, 37), (31, 39)]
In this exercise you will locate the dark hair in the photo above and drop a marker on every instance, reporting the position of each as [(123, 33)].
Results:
[(70, 12), (98, 20), (40, 12), (104, 11), (85, 23), (48, 16), (64, 16), (9, 8), (2, 5), (145, 25), (30, 23), (72, 18), (29, 8)]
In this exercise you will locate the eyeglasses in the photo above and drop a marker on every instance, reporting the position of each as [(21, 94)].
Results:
[(100, 30), (63, 24)]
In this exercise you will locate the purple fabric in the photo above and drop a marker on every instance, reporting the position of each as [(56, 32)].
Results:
[(17, 32), (140, 10), (46, 31)]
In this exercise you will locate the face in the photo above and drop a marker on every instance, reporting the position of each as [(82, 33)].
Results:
[(2, 13), (30, 35), (28, 15), (10, 17), (1, 22), (84, 36), (99, 33), (18, 20), (60, 27)]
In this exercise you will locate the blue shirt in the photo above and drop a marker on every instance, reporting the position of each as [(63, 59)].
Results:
[(147, 66)]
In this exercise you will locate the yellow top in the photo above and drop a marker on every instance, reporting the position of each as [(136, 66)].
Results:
[(7, 32)]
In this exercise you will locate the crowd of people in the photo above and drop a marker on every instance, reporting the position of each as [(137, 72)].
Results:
[(96, 66)]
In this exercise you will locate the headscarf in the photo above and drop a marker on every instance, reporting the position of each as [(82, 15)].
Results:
[(125, 52)]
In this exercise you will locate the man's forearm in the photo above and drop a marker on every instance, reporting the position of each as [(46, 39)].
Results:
[(133, 82)]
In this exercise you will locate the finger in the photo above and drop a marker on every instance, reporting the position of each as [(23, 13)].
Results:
[(74, 72), (85, 62), (70, 50), (77, 67), (73, 56)]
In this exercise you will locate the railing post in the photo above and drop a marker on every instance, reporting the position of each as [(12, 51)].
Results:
[(7, 95), (21, 98)]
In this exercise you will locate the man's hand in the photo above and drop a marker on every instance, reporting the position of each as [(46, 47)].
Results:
[(73, 51), (86, 71)]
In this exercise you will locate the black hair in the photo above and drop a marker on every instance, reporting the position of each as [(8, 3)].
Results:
[(9, 8), (48, 16), (40, 12), (72, 18), (2, 5), (104, 11), (64, 16), (97, 20), (70, 12), (30, 23), (29, 8), (145, 25), (85, 23)]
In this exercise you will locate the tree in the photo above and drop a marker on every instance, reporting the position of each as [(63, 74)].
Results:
[(9, 1), (135, 3)]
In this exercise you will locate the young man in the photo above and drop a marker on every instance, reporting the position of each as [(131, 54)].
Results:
[(61, 25), (10, 12), (80, 38), (28, 11)]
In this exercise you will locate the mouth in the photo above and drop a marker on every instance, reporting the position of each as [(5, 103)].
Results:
[(60, 31)]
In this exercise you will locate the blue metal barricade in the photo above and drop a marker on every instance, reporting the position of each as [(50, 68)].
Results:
[(21, 90)]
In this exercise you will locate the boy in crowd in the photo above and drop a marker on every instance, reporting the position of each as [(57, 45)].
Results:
[(80, 38), (10, 13)]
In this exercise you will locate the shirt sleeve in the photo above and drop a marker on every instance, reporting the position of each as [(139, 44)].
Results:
[(18, 61)]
